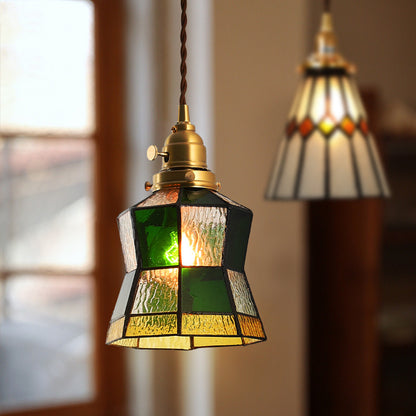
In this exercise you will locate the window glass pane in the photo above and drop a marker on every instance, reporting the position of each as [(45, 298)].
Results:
[(45, 341), (46, 207), (46, 65)]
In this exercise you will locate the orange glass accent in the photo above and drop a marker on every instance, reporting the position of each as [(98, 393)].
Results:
[(250, 326), (348, 126), (306, 127), (291, 127), (115, 331), (327, 125), (364, 126)]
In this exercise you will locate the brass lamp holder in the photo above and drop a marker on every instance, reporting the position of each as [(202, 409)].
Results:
[(183, 158), (326, 55)]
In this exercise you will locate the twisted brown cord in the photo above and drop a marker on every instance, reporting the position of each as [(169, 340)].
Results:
[(184, 21), (327, 5)]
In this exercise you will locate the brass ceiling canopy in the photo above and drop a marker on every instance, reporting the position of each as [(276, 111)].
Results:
[(326, 54), (184, 158)]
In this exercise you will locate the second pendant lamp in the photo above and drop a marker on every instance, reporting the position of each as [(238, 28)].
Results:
[(327, 151), (184, 250)]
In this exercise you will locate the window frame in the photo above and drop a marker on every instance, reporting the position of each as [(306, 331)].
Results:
[(109, 198)]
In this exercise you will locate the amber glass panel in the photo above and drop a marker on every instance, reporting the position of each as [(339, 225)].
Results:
[(148, 325), (126, 342), (115, 330), (173, 342), (204, 290), (203, 233), (216, 341), (157, 291), (197, 324), (157, 232), (251, 327)]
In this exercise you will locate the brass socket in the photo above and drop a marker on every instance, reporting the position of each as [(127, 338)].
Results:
[(184, 162)]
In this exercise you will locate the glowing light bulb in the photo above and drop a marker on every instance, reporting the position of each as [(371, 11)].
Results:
[(188, 254)]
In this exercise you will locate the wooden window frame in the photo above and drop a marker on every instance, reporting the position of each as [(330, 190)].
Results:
[(110, 192)]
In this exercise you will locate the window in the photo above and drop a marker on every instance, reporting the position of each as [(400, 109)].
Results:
[(58, 164)]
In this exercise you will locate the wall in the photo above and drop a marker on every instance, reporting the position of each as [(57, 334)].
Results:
[(257, 46)]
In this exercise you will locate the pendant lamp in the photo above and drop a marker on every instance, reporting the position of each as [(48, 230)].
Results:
[(327, 151), (184, 250)]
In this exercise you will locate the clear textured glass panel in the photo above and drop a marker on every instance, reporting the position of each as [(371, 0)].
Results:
[(150, 325), (241, 293), (274, 177), (123, 296), (162, 197), (45, 342), (296, 101), (319, 100), (157, 232), (337, 108), (312, 184), (341, 170), (204, 290), (46, 65), (46, 207), (203, 233), (127, 241), (368, 179), (286, 186), (304, 100), (238, 231), (382, 176), (172, 342), (208, 324), (251, 327), (157, 291), (352, 107)]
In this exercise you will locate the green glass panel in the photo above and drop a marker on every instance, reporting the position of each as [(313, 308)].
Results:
[(238, 231), (157, 232), (197, 196), (204, 290)]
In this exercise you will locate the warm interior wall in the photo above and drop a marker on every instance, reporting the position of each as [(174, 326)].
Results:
[(379, 37), (257, 46)]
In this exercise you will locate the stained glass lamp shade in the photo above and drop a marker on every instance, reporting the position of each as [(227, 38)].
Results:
[(184, 250), (327, 150)]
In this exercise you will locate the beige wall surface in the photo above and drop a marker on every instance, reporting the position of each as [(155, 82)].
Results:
[(257, 46)]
